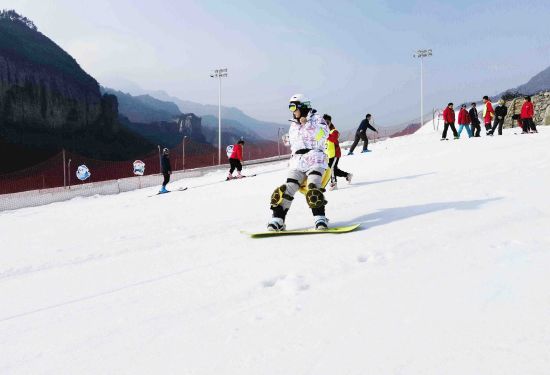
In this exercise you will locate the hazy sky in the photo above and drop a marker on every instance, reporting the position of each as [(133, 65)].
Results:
[(349, 57)]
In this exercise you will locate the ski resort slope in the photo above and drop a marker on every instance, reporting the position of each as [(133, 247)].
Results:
[(448, 273)]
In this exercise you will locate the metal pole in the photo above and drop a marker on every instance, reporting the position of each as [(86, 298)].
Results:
[(421, 91), (69, 172), (183, 160), (160, 160), (278, 140), (220, 120), (64, 173)]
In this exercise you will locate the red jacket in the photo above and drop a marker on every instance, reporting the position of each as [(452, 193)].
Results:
[(527, 110), (463, 117), (489, 112), (449, 115), (333, 138), (237, 152)]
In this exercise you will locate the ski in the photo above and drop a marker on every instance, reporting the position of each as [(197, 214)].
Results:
[(333, 230), (169, 191)]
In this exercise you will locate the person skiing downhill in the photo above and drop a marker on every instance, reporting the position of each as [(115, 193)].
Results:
[(166, 170), (361, 133), (235, 160), (307, 136)]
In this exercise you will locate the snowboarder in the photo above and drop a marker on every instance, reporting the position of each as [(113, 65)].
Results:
[(474, 119), (307, 136), (500, 113), (464, 121), (449, 119), (334, 153), (166, 170), (488, 114), (361, 133), (527, 113), (235, 160)]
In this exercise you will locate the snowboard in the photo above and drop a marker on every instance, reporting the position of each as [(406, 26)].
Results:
[(334, 230), (169, 191)]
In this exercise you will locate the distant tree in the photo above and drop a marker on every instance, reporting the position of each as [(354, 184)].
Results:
[(12, 15)]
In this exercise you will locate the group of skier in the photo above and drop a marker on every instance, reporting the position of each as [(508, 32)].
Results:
[(493, 119)]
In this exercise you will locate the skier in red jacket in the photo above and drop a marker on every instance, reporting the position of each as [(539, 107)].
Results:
[(235, 160), (464, 121), (527, 113), (449, 119), (334, 153), (488, 114)]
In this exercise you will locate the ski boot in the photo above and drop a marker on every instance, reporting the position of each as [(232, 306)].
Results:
[(350, 153), (321, 222), (333, 186), (229, 177), (239, 175), (163, 190), (276, 224), (349, 177)]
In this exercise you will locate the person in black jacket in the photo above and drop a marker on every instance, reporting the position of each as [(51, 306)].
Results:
[(361, 133), (166, 170), (500, 113), (474, 118)]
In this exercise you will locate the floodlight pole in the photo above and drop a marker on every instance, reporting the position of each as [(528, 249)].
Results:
[(421, 54), (219, 73)]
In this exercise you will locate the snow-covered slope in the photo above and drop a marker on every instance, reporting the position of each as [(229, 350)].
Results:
[(448, 275)]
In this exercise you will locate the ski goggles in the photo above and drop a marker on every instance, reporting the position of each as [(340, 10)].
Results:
[(293, 106)]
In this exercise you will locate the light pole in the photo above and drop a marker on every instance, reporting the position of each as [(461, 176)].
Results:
[(421, 54), (183, 154), (279, 141), (219, 73)]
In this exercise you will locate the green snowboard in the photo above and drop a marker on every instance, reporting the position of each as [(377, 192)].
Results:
[(344, 229)]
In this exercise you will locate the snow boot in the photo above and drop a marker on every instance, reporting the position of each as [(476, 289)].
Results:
[(349, 177), (350, 153), (229, 177), (276, 224), (321, 222), (333, 186), (239, 175)]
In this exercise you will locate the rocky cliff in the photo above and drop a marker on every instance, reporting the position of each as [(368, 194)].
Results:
[(541, 103)]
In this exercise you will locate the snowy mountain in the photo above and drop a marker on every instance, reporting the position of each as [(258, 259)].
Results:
[(447, 275)]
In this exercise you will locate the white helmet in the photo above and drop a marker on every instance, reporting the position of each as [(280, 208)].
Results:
[(300, 99)]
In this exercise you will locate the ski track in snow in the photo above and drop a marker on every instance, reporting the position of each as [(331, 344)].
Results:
[(447, 273)]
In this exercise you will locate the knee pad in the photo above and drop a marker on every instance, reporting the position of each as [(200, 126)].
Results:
[(315, 197), (279, 194)]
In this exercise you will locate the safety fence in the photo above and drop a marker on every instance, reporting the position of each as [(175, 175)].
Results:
[(62, 169)]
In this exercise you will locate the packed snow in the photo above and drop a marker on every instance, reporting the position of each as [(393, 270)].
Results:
[(448, 273)]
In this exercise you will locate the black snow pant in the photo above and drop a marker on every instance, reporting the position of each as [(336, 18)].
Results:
[(496, 123), (235, 164), (166, 178), (476, 129), (446, 127), (487, 127), (335, 171), (528, 124), (358, 136)]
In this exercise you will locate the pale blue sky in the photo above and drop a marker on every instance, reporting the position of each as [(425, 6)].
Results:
[(349, 57)]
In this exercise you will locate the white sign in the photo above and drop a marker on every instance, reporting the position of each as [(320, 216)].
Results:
[(139, 168), (83, 173), (229, 150)]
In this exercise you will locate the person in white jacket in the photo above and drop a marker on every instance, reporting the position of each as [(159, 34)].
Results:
[(307, 136)]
